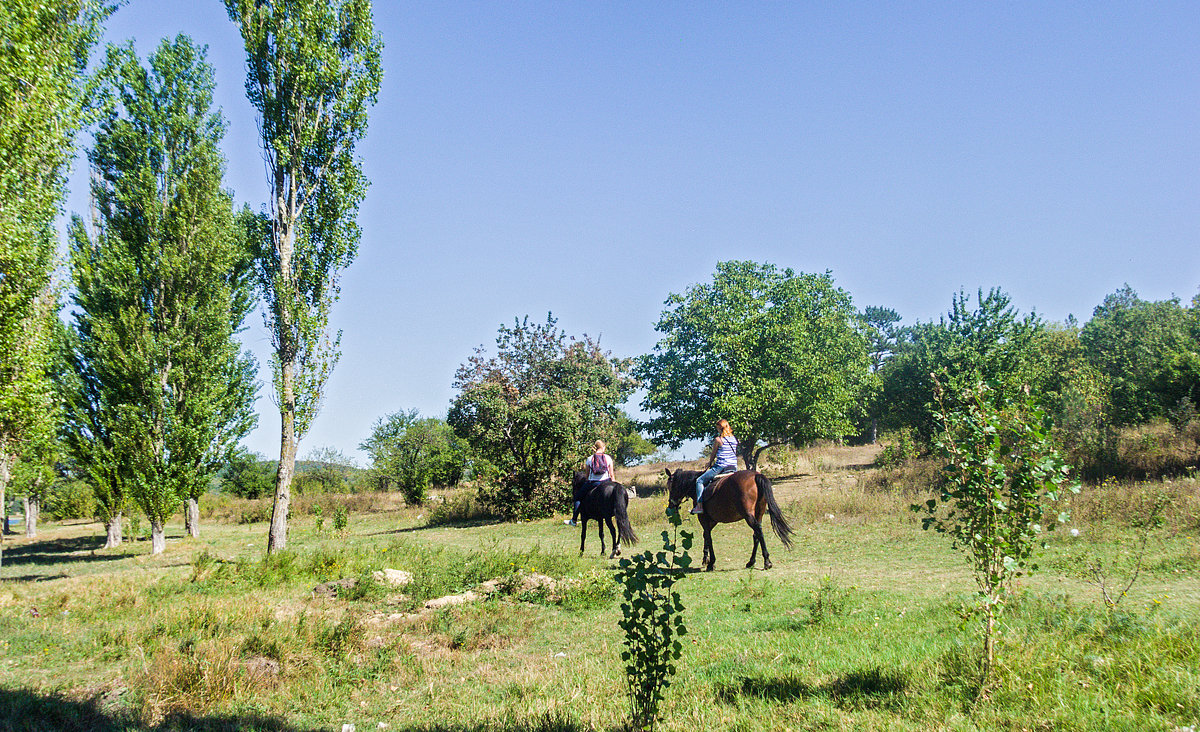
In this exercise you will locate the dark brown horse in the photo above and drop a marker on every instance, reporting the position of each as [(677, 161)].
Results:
[(742, 496), (604, 501)]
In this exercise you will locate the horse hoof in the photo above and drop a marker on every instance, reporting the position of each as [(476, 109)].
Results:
[(708, 568), (768, 565)]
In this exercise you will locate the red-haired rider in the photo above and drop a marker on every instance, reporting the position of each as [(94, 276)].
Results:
[(722, 458)]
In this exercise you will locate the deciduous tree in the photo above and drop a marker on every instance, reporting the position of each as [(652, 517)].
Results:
[(166, 391), (1148, 352), (779, 354), (247, 475), (998, 490), (989, 342), (44, 49), (533, 409), (314, 69), (413, 453)]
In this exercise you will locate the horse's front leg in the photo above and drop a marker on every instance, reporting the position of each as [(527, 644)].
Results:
[(612, 532), (582, 534), (710, 556)]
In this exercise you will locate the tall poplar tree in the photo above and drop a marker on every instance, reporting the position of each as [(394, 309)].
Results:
[(313, 71), (44, 49), (166, 392)]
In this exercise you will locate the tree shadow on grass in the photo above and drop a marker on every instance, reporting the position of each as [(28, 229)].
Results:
[(23, 710), (872, 687), (66, 550), (464, 524)]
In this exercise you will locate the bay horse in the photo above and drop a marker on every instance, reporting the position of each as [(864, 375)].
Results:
[(604, 501), (741, 496)]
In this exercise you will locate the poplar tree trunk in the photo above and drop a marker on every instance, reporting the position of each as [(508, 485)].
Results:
[(33, 509), (277, 538), (191, 517), (112, 528), (158, 536)]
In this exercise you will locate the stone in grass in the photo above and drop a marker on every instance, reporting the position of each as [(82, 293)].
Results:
[(331, 589), (393, 577)]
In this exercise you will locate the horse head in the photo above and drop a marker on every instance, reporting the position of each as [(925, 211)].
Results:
[(676, 489)]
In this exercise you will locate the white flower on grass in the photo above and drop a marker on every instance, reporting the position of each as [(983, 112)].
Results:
[(1074, 532)]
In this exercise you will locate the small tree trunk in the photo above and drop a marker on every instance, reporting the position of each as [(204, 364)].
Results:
[(989, 642), (5, 462), (112, 528), (158, 536), (33, 509), (277, 538), (874, 431), (191, 517)]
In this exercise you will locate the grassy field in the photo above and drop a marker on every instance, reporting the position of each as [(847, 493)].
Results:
[(864, 625)]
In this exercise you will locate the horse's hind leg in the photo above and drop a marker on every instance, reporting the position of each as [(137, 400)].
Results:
[(582, 534), (756, 526), (600, 531), (612, 532), (759, 540)]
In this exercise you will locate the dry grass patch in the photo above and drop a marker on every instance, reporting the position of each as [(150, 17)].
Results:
[(1131, 503)]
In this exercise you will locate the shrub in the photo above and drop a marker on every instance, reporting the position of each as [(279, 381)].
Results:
[(70, 500), (899, 448), (1002, 472), (653, 622), (511, 498), (459, 508)]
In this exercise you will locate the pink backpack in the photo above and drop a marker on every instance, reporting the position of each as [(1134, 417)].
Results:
[(599, 465)]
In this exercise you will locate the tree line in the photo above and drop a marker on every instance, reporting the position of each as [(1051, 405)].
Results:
[(138, 388), (144, 391)]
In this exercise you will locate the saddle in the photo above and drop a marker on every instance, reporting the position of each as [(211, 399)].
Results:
[(716, 482)]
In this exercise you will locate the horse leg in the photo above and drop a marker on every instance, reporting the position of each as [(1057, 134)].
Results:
[(710, 556), (582, 534), (600, 531), (759, 540), (756, 529), (612, 533)]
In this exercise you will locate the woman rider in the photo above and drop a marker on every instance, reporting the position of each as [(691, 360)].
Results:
[(600, 468), (722, 459)]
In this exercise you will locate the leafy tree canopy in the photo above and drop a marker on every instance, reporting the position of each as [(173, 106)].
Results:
[(781, 355), (989, 342), (247, 475), (533, 409), (627, 445), (1148, 352), (413, 453), (161, 288)]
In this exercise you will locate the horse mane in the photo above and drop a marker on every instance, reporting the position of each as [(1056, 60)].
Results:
[(682, 477)]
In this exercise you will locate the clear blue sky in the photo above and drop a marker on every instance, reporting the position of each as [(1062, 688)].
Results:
[(520, 148)]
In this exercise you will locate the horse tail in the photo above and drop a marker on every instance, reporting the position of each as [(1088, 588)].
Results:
[(621, 513), (782, 529)]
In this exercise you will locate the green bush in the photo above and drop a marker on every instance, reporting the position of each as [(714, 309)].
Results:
[(464, 507), (899, 448), (70, 500)]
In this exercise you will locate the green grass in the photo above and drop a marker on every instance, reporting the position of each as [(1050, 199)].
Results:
[(866, 624)]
